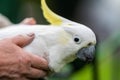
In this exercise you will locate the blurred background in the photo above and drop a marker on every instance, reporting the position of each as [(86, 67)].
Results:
[(102, 16)]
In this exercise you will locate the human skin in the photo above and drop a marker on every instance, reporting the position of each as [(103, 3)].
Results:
[(29, 21), (16, 63)]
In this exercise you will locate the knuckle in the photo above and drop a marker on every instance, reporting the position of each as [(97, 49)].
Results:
[(25, 65), (27, 61)]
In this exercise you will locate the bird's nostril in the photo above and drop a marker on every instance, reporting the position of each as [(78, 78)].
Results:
[(89, 44)]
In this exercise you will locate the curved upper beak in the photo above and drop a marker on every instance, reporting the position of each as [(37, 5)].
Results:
[(86, 54)]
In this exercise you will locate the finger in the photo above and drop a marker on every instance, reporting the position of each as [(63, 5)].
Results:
[(29, 21), (22, 41), (38, 62), (36, 73)]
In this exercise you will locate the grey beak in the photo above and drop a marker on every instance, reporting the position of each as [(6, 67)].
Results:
[(86, 54)]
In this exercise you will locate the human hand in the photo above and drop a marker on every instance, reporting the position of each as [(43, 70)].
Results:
[(16, 63)]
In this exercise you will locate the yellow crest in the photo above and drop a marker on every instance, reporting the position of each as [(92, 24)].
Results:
[(51, 17)]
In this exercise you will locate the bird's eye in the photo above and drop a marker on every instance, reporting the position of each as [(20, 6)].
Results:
[(77, 39)]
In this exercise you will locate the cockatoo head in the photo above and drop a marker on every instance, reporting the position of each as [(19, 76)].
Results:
[(84, 40)]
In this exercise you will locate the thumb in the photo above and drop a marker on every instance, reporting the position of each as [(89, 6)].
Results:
[(22, 40)]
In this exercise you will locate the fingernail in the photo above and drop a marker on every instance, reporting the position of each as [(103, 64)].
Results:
[(31, 34)]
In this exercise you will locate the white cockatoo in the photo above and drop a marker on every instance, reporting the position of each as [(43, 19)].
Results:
[(60, 43)]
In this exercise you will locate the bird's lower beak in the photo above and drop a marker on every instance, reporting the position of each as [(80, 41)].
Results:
[(86, 54)]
